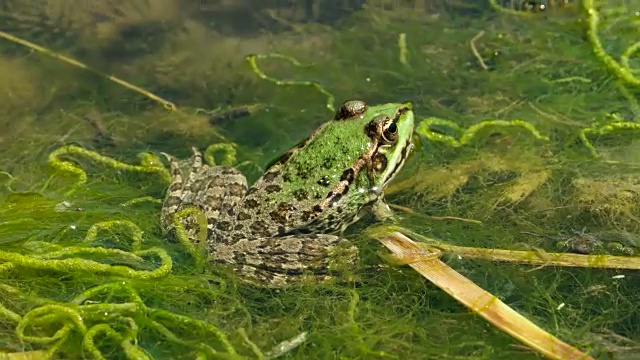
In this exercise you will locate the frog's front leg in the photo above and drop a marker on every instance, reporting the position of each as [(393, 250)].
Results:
[(290, 259), (381, 211)]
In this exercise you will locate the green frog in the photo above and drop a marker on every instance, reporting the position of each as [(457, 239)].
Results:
[(287, 226)]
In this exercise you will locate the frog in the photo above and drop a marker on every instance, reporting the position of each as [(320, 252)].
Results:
[(288, 227), (599, 242), (613, 242)]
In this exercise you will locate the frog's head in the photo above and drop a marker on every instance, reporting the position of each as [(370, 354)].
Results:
[(389, 128)]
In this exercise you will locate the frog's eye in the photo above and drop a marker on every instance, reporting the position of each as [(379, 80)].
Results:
[(351, 109), (390, 132)]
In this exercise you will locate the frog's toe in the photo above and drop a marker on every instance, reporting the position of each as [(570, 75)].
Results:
[(173, 162), (197, 157), (176, 184)]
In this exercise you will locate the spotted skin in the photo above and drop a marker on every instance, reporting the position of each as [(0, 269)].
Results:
[(285, 228), (216, 192)]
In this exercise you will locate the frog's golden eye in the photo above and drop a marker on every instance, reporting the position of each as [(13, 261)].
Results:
[(379, 162), (390, 132), (351, 109)]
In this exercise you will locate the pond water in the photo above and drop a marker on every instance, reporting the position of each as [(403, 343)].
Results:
[(92, 92)]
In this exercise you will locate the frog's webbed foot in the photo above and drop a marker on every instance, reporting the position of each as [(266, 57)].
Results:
[(289, 259)]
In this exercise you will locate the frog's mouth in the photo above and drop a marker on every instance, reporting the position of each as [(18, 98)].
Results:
[(406, 150)]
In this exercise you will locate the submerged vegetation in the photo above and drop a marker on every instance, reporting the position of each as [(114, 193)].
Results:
[(529, 140)]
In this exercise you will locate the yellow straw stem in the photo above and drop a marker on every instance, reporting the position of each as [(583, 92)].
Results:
[(167, 104)]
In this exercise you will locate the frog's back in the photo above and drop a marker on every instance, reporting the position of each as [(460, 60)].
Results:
[(288, 197)]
